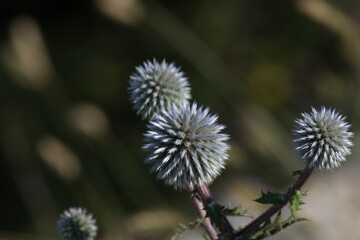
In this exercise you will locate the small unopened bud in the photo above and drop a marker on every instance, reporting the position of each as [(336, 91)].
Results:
[(77, 224)]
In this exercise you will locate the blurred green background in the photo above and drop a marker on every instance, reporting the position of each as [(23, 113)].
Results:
[(69, 136)]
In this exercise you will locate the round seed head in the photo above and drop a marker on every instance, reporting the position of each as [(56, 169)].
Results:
[(77, 224), (186, 146), (156, 86), (322, 138)]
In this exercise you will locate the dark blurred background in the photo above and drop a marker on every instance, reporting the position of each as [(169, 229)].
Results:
[(69, 136)]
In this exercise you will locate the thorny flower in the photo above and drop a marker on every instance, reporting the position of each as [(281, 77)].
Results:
[(77, 224), (187, 146), (323, 139), (156, 86)]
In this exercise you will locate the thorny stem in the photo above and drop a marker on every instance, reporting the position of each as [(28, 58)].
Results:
[(205, 195), (255, 224), (199, 207)]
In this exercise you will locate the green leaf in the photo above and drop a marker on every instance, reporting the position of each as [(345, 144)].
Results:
[(287, 223), (183, 228), (295, 202), (271, 198), (206, 236), (216, 213), (272, 228), (235, 211), (277, 221)]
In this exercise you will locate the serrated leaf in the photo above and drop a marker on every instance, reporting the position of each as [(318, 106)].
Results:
[(183, 228), (235, 211), (271, 198), (277, 221), (215, 212), (295, 202)]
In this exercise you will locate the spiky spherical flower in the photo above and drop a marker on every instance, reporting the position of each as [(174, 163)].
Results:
[(323, 139), (156, 86), (77, 224), (186, 145)]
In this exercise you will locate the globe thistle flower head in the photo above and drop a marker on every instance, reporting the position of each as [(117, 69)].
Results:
[(77, 224), (156, 86), (186, 146), (323, 139)]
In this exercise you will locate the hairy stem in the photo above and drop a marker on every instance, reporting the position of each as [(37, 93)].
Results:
[(199, 207), (256, 223)]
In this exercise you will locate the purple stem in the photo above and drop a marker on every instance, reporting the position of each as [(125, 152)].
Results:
[(199, 207), (206, 197), (255, 224)]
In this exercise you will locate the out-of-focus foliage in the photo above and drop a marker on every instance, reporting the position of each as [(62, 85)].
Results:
[(69, 137)]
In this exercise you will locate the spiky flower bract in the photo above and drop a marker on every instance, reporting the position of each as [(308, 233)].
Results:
[(187, 146), (323, 139), (77, 224), (156, 86)]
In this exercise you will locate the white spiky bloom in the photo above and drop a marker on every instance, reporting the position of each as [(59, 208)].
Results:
[(77, 224), (156, 86), (187, 146), (323, 139)]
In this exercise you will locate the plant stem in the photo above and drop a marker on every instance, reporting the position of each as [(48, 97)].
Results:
[(226, 229), (199, 207), (255, 224)]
